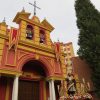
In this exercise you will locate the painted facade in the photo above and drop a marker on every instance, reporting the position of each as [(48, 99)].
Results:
[(32, 67), (29, 60)]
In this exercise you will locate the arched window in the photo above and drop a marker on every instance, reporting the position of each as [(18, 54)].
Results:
[(42, 36), (29, 32)]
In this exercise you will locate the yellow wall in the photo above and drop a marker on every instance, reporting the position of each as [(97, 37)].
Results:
[(23, 25), (2, 32), (1, 48), (48, 39), (36, 35)]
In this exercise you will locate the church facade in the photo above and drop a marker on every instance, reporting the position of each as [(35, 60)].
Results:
[(31, 66)]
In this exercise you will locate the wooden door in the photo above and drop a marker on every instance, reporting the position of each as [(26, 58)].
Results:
[(28, 90), (3, 85)]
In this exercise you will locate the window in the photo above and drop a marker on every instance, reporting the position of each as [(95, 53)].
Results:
[(42, 37), (64, 48), (29, 32), (68, 49)]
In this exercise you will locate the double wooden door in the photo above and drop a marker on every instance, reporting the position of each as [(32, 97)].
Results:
[(28, 90)]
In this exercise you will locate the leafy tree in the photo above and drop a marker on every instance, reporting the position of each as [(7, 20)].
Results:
[(88, 23)]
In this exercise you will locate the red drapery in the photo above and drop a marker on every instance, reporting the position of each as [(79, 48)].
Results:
[(13, 37)]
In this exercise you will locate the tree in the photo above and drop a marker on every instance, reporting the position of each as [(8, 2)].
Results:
[(88, 23)]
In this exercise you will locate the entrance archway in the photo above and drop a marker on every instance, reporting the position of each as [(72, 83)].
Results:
[(31, 85)]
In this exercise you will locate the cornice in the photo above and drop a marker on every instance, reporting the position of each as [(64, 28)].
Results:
[(31, 45), (55, 78), (34, 23), (10, 72), (39, 47)]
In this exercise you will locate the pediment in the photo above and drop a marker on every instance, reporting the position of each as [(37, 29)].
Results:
[(46, 24)]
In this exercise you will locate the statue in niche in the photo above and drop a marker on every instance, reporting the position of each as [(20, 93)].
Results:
[(29, 32)]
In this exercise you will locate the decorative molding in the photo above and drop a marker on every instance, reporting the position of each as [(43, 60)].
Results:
[(61, 77), (8, 59), (34, 23), (32, 45), (37, 56), (22, 54), (39, 47), (10, 72), (36, 51), (48, 60), (31, 75), (57, 68), (3, 36)]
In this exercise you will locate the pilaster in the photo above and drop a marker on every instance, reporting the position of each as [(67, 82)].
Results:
[(36, 35), (23, 25), (48, 41), (3, 31)]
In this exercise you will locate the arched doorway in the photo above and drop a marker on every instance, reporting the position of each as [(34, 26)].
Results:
[(31, 85)]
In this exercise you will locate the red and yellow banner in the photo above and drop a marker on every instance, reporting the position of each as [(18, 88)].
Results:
[(13, 37)]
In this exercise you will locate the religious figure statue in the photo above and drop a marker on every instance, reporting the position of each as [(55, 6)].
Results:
[(85, 88), (57, 50), (82, 88), (71, 85)]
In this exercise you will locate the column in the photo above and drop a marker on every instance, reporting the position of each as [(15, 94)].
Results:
[(15, 89), (53, 90), (50, 90)]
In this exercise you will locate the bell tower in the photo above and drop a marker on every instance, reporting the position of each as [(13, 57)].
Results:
[(32, 30)]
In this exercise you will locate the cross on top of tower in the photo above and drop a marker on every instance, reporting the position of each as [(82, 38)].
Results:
[(34, 5), (4, 20)]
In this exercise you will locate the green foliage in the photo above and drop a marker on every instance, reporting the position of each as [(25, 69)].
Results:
[(88, 23)]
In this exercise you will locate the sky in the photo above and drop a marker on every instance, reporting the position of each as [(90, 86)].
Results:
[(60, 14)]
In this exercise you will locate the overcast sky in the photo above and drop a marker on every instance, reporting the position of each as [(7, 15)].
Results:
[(60, 13)]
